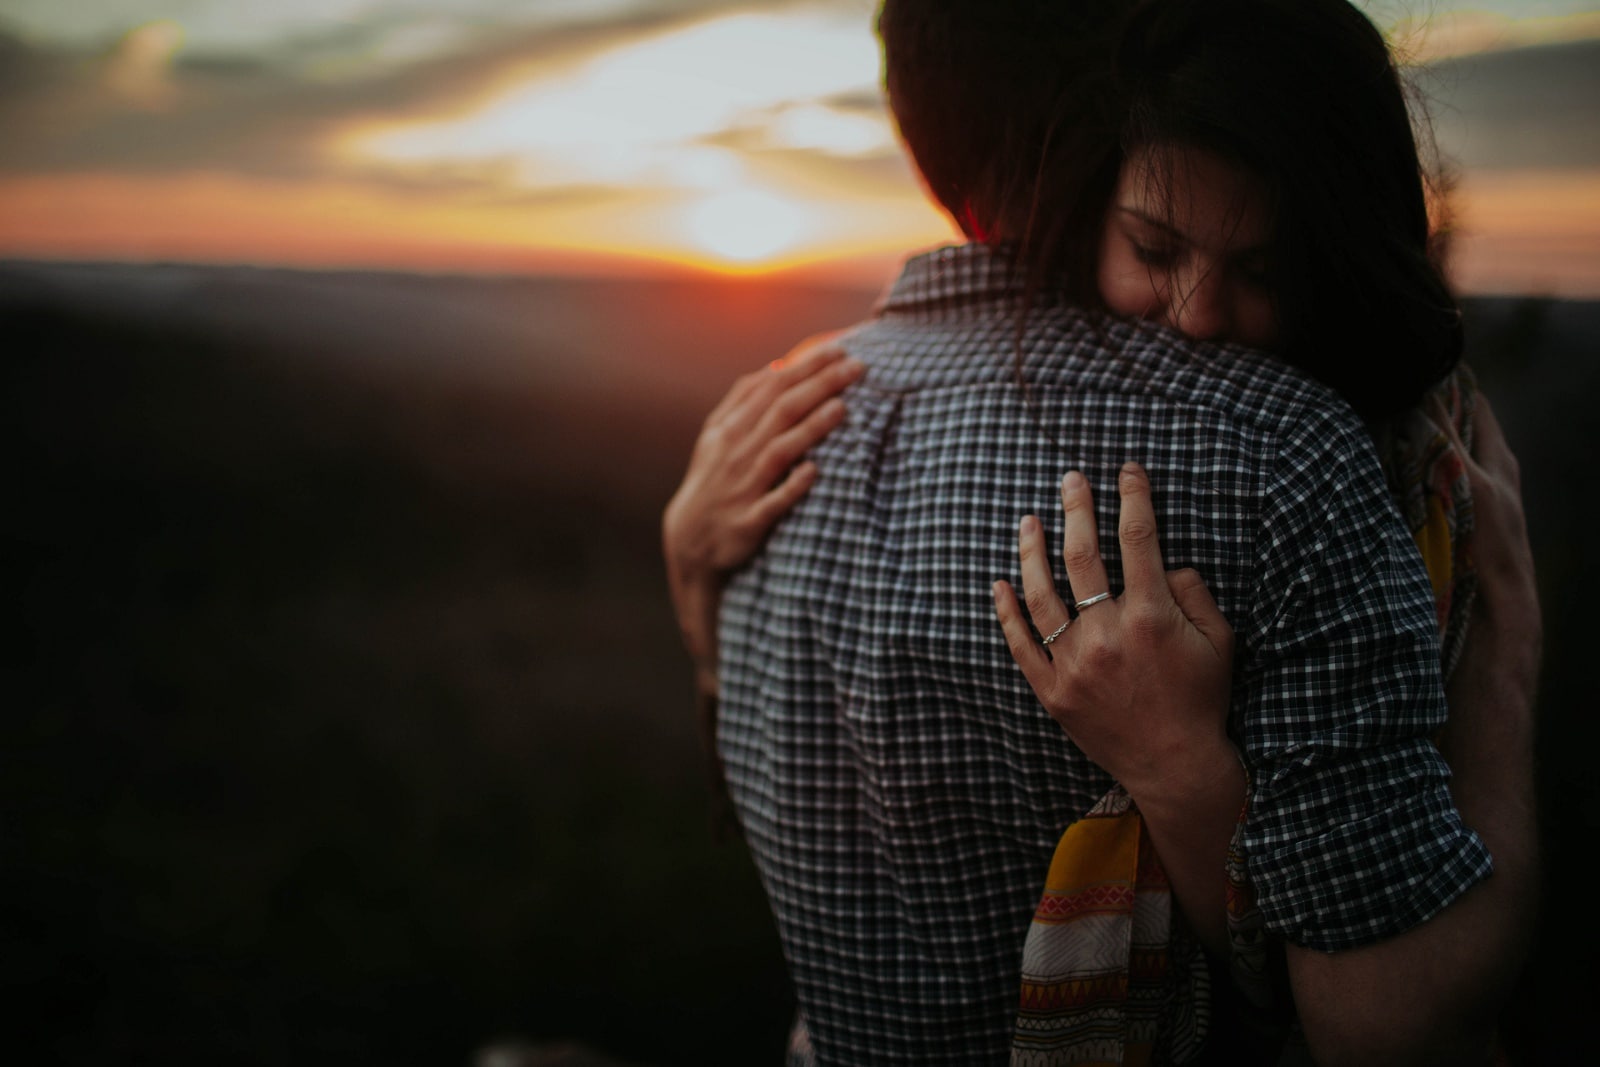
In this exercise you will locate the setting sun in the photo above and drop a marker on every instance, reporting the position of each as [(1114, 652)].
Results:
[(746, 226)]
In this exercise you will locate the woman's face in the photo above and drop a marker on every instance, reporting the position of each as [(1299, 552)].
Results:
[(1186, 245)]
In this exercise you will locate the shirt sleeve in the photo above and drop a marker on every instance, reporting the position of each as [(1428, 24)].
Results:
[(1352, 836)]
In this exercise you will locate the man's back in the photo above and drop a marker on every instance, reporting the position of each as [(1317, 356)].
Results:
[(901, 789)]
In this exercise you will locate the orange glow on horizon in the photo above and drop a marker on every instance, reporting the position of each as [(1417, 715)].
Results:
[(225, 219), (1528, 231), (1518, 231)]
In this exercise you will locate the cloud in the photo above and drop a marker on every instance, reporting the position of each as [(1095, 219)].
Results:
[(294, 32), (673, 109), (1519, 109), (284, 109), (72, 111)]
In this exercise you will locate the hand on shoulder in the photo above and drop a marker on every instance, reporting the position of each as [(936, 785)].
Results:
[(745, 473)]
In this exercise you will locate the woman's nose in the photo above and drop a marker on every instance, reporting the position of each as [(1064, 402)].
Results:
[(1200, 308)]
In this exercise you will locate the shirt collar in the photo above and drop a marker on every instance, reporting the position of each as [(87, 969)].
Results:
[(954, 275)]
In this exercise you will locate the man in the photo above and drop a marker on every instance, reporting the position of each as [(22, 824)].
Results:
[(897, 783)]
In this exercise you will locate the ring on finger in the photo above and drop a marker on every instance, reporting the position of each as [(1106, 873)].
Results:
[(1058, 632), (1090, 601)]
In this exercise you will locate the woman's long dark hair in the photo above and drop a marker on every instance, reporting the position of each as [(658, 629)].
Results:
[(1304, 95)]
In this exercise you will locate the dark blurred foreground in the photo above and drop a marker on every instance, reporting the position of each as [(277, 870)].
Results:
[(346, 720)]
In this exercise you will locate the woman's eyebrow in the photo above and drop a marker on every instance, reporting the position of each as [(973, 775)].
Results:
[(1170, 230), (1151, 220)]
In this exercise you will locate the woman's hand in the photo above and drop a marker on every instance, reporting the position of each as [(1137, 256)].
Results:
[(1508, 595), (1140, 683), (1499, 666), (1489, 738), (743, 476)]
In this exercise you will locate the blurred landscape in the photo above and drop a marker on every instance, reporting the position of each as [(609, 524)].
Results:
[(347, 717)]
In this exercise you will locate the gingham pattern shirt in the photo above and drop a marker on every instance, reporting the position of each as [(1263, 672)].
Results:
[(899, 785)]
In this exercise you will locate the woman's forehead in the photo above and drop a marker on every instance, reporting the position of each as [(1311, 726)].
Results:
[(1197, 195)]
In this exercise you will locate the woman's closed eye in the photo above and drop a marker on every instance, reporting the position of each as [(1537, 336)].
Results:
[(1162, 255)]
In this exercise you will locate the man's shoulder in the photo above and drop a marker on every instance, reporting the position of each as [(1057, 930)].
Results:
[(1057, 348), (1248, 386)]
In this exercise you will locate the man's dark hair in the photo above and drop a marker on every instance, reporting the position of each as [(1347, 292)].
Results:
[(1004, 108)]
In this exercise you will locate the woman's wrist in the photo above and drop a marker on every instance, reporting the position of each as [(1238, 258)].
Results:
[(1210, 769)]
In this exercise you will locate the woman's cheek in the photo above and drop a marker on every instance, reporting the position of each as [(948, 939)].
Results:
[(1126, 285)]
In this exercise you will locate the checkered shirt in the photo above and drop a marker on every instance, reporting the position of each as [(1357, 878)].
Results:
[(899, 785)]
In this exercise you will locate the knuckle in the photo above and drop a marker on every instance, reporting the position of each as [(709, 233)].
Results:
[(779, 455), (712, 436), (1080, 557), (1183, 579), (818, 423), (798, 399), (1099, 654), (1145, 624), (829, 412), (1038, 601), (1137, 531)]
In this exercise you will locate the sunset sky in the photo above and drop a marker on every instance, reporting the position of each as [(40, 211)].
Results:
[(544, 135)]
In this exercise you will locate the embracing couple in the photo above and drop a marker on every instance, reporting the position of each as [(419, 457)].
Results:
[(1246, 775)]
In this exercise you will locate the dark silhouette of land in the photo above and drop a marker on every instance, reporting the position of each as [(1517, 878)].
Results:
[(346, 720)]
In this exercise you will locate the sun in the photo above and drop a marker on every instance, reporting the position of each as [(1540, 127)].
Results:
[(746, 226)]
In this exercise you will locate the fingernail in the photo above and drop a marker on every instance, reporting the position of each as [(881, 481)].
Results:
[(1030, 524), (1073, 480), (851, 368)]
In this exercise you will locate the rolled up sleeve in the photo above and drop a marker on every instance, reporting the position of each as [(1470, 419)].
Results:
[(1352, 836)]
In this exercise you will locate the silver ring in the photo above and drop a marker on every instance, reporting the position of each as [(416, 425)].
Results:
[(1059, 631), (1090, 600)]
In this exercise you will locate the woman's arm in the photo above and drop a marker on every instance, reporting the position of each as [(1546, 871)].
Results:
[(1432, 994), (743, 476), (1139, 688), (1141, 684)]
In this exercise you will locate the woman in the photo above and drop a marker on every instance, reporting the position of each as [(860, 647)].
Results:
[(1259, 191)]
